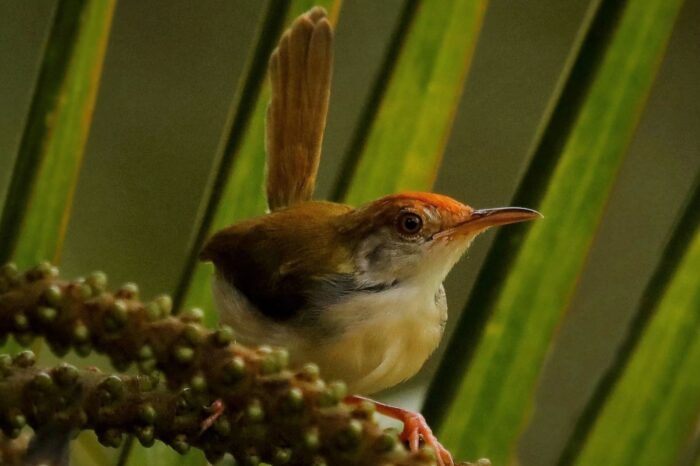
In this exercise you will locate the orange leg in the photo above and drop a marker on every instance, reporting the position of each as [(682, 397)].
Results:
[(414, 427), (217, 408)]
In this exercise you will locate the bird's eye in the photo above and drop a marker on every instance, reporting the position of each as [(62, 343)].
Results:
[(409, 224)]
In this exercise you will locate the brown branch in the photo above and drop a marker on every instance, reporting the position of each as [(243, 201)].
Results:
[(272, 427), (272, 414)]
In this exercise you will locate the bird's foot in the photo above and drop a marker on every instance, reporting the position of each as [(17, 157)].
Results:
[(216, 409), (414, 428)]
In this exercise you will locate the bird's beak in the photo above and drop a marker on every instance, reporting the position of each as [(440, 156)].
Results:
[(481, 219)]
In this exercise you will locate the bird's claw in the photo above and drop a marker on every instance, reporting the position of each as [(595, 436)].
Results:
[(216, 409), (414, 428)]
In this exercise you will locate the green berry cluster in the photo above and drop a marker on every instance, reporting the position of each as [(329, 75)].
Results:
[(197, 387)]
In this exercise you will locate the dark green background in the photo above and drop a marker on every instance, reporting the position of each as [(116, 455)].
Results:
[(169, 77)]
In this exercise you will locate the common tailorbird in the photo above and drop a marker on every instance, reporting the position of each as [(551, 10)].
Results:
[(356, 290)]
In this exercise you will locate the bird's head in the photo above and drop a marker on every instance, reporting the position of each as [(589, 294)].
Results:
[(418, 236)]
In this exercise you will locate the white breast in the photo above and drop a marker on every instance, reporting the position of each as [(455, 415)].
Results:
[(383, 338), (388, 337)]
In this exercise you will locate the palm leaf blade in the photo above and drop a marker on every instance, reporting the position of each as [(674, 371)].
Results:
[(413, 116), (493, 400), (35, 216), (651, 402)]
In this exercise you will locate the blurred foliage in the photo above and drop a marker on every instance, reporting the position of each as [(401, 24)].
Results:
[(35, 214), (645, 411), (408, 118), (521, 293), (526, 298)]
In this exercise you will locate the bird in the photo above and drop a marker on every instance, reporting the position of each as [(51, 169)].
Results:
[(356, 290)]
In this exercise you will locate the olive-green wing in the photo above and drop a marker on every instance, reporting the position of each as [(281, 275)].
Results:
[(281, 260)]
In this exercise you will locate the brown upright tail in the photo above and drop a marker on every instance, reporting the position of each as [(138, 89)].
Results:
[(300, 76)]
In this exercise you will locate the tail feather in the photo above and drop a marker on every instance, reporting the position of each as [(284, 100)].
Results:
[(300, 77)]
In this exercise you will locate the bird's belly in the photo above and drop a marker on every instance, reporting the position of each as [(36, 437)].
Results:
[(371, 341), (372, 359), (384, 339)]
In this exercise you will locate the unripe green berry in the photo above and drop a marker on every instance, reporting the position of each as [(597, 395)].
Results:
[(269, 365), (309, 372), (118, 312), (128, 291), (387, 442), (97, 281), (24, 359), (82, 290), (145, 352), (66, 375), (147, 366), (312, 439), (224, 336), (193, 334), (5, 361), (282, 455), (294, 399), (234, 370), (9, 270), (41, 271), (152, 311), (145, 435), (198, 383), (17, 420), (165, 303), (334, 392), (42, 382), (183, 354), (349, 437), (21, 322), (282, 357), (254, 411), (81, 333), (180, 444), (46, 314), (339, 389), (53, 295), (222, 426), (194, 314), (364, 410), (114, 385), (147, 414)]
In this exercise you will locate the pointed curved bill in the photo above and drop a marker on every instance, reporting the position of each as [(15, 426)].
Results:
[(481, 219)]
